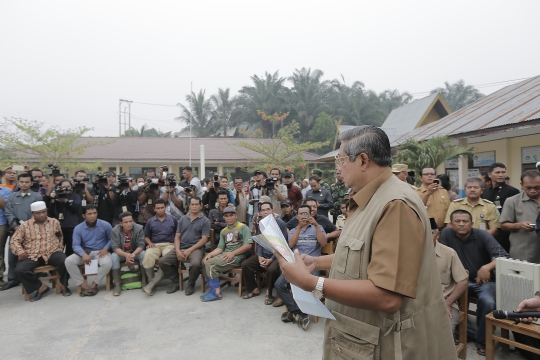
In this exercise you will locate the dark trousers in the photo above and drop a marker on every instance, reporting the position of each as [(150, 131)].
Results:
[(25, 271), (251, 266), (12, 261), (169, 264), (486, 304), (67, 233)]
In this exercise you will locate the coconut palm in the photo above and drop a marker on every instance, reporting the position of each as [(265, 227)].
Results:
[(224, 111), (458, 95), (146, 132), (355, 105), (198, 113), (430, 153)]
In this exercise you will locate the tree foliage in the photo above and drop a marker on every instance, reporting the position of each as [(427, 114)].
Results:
[(430, 153), (28, 141), (458, 95), (324, 130), (145, 131), (283, 151), (198, 113)]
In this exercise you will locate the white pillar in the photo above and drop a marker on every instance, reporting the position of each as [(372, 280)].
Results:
[(202, 169), (463, 169)]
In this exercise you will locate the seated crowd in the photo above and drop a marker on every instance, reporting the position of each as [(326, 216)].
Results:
[(164, 225)]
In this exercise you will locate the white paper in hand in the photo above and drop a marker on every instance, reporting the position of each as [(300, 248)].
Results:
[(91, 268), (309, 304)]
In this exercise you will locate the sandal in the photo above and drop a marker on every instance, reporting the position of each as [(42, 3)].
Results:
[(250, 295), (268, 300), (83, 293), (92, 291), (481, 351)]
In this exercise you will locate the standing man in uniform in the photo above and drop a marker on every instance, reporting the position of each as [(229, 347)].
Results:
[(485, 214), (497, 193), (318, 174), (381, 288), (434, 196), (401, 171), (323, 196), (338, 190)]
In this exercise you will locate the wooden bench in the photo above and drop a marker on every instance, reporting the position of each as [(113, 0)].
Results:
[(107, 279), (532, 330), (55, 277)]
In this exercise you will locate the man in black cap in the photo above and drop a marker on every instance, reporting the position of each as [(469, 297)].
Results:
[(255, 191), (287, 211), (294, 194)]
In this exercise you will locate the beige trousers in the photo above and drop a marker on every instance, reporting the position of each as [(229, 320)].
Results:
[(152, 255)]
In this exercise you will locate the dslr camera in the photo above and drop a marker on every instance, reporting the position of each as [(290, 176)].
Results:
[(55, 169), (190, 190), (79, 184), (216, 181), (269, 183), (153, 183), (171, 180), (101, 179), (123, 181), (62, 191)]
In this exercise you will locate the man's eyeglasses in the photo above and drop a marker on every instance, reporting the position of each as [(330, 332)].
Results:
[(340, 159), (428, 174)]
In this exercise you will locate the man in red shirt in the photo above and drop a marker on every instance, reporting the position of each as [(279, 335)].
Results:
[(294, 192)]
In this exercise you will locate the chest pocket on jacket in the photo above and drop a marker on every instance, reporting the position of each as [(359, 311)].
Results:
[(348, 257)]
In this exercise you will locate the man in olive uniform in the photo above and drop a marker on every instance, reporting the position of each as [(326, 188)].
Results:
[(338, 190), (402, 171), (434, 196), (484, 212), (381, 288), (318, 174)]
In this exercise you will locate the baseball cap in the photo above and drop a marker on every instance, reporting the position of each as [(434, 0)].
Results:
[(257, 172), (229, 209), (285, 203), (287, 174)]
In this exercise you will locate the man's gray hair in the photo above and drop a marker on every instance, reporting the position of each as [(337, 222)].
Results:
[(469, 180), (370, 140)]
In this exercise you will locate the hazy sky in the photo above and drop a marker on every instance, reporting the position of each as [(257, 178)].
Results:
[(67, 63)]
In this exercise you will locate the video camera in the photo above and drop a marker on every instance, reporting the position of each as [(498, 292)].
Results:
[(123, 181), (55, 169), (36, 186), (101, 179), (216, 181), (190, 190), (153, 183), (269, 183), (79, 184), (62, 191)]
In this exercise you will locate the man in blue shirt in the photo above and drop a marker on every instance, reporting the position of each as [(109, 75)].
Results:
[(309, 238), (4, 193), (91, 241)]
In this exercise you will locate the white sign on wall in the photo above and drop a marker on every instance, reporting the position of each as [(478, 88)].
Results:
[(530, 155), (484, 158)]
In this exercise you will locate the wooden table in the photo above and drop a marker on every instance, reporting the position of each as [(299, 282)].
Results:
[(532, 330)]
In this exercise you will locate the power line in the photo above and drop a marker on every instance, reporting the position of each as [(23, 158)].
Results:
[(143, 103), (481, 85)]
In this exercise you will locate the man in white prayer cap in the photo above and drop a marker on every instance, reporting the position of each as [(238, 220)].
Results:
[(39, 242)]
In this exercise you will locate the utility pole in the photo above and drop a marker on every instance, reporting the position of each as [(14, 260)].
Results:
[(190, 127), (127, 122)]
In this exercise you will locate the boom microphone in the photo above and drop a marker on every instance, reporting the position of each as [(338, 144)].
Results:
[(514, 315)]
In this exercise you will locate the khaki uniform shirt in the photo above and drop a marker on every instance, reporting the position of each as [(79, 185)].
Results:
[(437, 204), (387, 239), (485, 214), (450, 268)]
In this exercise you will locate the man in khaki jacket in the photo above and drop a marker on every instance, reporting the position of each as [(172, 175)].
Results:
[(381, 288), (434, 196)]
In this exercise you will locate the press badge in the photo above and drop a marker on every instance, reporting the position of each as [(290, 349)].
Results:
[(84, 202), (482, 222), (60, 216), (124, 208), (149, 201)]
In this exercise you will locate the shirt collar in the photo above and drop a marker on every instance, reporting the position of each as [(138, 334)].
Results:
[(234, 225), (437, 249), (524, 197), (472, 236), (362, 197)]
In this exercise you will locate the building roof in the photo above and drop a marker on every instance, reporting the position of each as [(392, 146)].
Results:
[(511, 107), (415, 114), (141, 149)]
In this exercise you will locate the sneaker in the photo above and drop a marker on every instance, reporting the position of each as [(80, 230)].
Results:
[(302, 320), (287, 317), (211, 296)]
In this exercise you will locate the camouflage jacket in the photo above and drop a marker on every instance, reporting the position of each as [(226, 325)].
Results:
[(338, 193)]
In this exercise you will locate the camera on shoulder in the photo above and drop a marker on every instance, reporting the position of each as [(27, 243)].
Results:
[(62, 192), (123, 181), (269, 183), (55, 169)]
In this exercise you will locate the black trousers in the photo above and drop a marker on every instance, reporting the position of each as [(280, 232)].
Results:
[(249, 268), (25, 271), (68, 240)]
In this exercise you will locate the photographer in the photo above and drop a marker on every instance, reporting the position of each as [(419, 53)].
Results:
[(65, 206), (55, 177), (209, 198), (255, 191), (147, 195), (104, 195), (80, 187), (224, 186), (173, 195), (187, 173), (37, 181), (125, 197), (275, 190)]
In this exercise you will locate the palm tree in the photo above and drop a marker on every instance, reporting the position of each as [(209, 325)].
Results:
[(430, 153), (146, 132), (224, 110), (308, 96), (267, 94), (198, 113), (458, 95), (354, 105)]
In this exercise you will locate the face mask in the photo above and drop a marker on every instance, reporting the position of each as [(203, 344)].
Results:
[(140, 184)]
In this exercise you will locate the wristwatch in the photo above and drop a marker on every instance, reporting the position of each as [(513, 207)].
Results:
[(318, 291)]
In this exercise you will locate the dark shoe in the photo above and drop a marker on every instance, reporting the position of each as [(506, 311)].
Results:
[(302, 320), (117, 282), (92, 291), (190, 289), (66, 291), (2, 282), (173, 288), (481, 350), (84, 292), (39, 295), (9, 285), (287, 317)]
